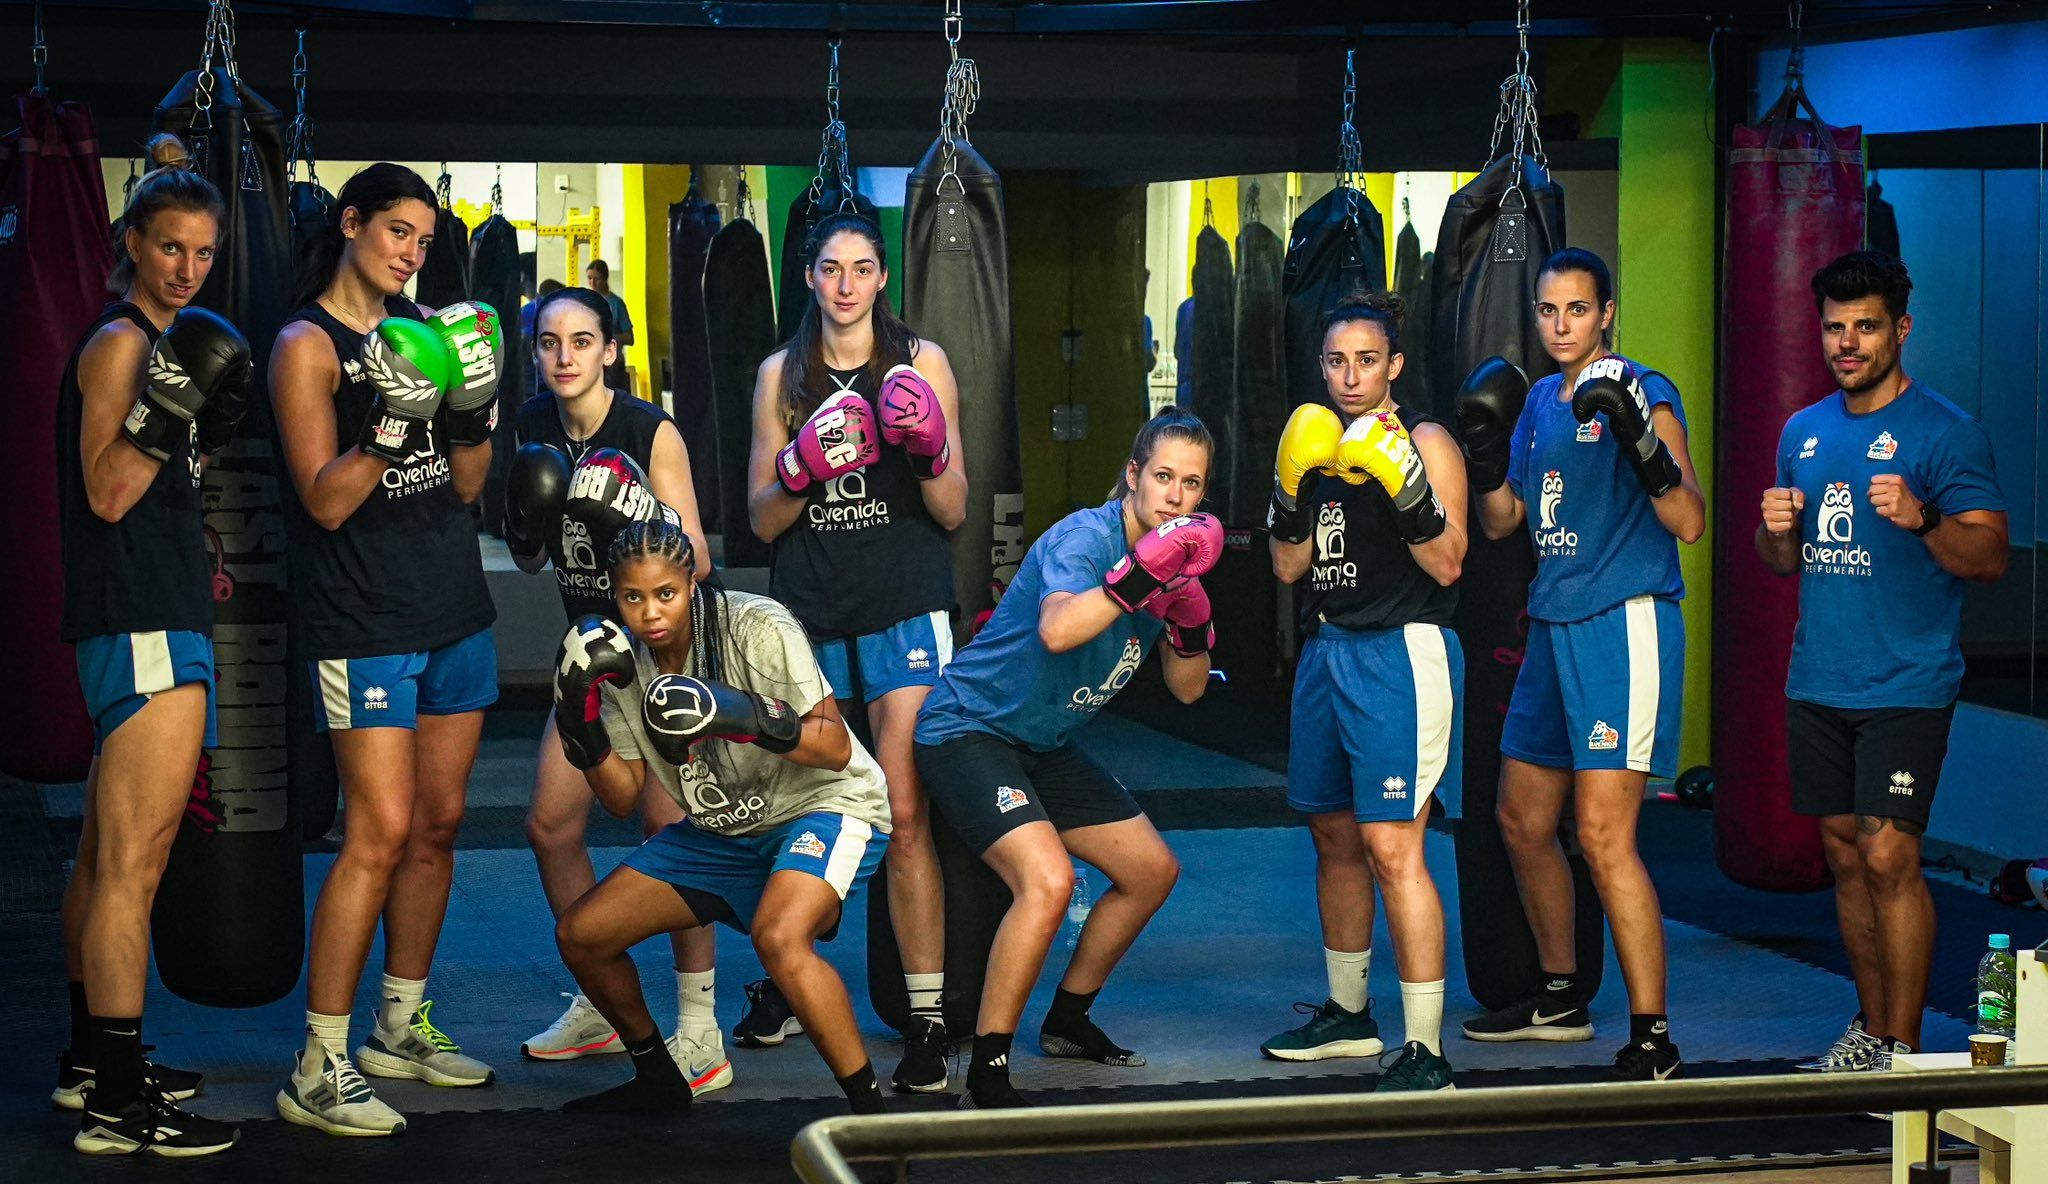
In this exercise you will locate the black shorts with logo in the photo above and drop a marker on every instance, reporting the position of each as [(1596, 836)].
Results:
[(987, 787), (1883, 762)]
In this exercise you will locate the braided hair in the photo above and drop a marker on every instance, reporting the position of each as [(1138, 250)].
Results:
[(666, 540)]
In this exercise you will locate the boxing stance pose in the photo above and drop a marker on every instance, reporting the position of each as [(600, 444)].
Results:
[(571, 523), (153, 387), (718, 695), (384, 415), (1369, 518), (1596, 463), (1886, 503), (995, 742), (856, 479)]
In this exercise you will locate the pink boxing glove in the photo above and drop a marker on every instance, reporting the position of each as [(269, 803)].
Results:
[(838, 438), (1178, 549), (1185, 609), (912, 416)]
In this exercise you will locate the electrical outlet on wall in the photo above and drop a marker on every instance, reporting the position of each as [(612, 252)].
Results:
[(561, 182)]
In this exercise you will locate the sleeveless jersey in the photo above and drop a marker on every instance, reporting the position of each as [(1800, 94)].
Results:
[(581, 574), (1361, 575)]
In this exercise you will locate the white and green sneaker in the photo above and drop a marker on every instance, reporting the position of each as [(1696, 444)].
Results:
[(332, 1096), (421, 1052), (1330, 1032)]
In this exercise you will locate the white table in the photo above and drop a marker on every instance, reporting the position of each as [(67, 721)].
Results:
[(2012, 1141)]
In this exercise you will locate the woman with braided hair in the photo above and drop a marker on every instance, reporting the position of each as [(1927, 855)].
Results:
[(718, 695)]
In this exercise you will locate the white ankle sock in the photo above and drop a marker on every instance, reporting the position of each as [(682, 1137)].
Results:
[(397, 1000), (1422, 1010), (325, 1033), (696, 1003), (925, 990), (1348, 974)]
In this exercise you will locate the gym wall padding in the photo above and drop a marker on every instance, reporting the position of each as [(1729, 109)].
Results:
[(692, 223), (740, 321), (229, 924), (1795, 202), (54, 258)]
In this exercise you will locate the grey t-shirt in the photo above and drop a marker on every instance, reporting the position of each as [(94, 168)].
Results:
[(743, 789)]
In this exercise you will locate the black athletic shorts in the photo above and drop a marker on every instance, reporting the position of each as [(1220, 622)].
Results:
[(1882, 761), (987, 787)]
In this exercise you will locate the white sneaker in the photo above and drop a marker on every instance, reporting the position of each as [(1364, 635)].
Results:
[(333, 1097), (580, 1032), (421, 1052), (702, 1061)]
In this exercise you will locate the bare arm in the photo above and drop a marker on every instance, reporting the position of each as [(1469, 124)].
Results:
[(1187, 678), (111, 373), (471, 465), (824, 741), (1069, 620), (669, 473), (1500, 512), (304, 374), (1291, 560), (1443, 557), (617, 783), (771, 509), (1683, 511), (1972, 545), (945, 495)]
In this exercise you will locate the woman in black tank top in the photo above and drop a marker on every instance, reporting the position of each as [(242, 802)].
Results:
[(398, 573), (574, 341), (136, 578), (852, 560)]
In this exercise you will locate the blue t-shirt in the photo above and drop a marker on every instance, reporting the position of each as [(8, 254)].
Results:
[(1598, 541), (1880, 621), (1006, 683)]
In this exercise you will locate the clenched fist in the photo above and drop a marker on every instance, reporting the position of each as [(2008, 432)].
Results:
[(1782, 508), (1890, 498)]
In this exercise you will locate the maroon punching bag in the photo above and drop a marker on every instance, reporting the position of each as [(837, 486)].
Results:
[(1795, 203), (55, 254)]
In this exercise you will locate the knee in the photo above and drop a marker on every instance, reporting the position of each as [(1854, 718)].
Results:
[(910, 832), (435, 828), (1609, 845), (1044, 891), (779, 941), (1336, 839), (133, 857), (1152, 879), (1891, 867), (577, 941), (1524, 828), (376, 840), (550, 835), (1396, 858)]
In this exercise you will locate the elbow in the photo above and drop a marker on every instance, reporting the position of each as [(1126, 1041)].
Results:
[(327, 520), (952, 517), (1992, 569), (1050, 638), (1691, 532), (1447, 571), (1189, 694), (110, 505)]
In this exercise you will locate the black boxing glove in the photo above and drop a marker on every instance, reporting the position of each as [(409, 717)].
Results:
[(1610, 386), (594, 652), (536, 491), (680, 711), (199, 360), (1488, 406)]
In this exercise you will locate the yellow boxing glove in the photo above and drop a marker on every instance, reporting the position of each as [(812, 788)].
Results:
[(1376, 447), (1308, 443)]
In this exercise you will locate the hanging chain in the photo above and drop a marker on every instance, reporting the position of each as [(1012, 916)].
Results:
[(1519, 111), (301, 147), (444, 186), (227, 38), (41, 53), (1795, 62), (498, 189), (1350, 152), (835, 158), (963, 92), (203, 101)]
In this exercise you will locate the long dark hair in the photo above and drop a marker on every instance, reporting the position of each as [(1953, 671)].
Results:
[(373, 190), (160, 189), (1172, 423), (804, 384), (598, 306)]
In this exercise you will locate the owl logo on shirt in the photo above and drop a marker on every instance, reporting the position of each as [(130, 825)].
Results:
[(1330, 531), (1837, 514), (1127, 663), (1553, 493)]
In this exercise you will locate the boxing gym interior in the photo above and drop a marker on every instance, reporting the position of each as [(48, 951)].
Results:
[(1100, 210)]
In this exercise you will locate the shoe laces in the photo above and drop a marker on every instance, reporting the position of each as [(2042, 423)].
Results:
[(577, 1006), (1407, 1063), (424, 1028), (1852, 1047), (348, 1080), (757, 992)]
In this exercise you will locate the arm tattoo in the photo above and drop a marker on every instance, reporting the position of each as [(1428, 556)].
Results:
[(1870, 824)]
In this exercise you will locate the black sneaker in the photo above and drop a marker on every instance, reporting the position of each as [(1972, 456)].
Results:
[(768, 1020), (1647, 1060), (1537, 1016), (927, 1052), (75, 1080), (151, 1125)]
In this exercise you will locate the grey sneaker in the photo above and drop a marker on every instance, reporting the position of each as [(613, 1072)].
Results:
[(1852, 1052)]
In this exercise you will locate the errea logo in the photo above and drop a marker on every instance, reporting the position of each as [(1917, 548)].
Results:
[(1395, 788), (375, 699), (1807, 448), (1902, 784), (918, 659)]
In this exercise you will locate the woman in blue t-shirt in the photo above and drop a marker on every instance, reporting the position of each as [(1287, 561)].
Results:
[(995, 741), (1601, 447)]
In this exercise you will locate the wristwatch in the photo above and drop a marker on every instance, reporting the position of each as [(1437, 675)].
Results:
[(1930, 518)]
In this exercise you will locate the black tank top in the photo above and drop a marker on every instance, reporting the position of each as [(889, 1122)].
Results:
[(1361, 575), (629, 426), (865, 553), (150, 570), (403, 573)]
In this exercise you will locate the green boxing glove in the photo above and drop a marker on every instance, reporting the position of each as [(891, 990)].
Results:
[(413, 371), (469, 331)]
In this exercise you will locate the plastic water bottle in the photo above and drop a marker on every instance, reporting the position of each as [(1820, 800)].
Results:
[(1083, 900), (1995, 977)]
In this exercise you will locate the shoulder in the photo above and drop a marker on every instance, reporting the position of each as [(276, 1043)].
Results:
[(771, 366), (641, 410), (1952, 426), (756, 620), (118, 339), (928, 352), (303, 341), (1938, 407), (1547, 386)]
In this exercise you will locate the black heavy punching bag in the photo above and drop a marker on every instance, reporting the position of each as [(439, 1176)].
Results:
[(1482, 282), (444, 277), (739, 315), (825, 197), (1411, 282), (957, 293), (1213, 387), (1249, 647), (1337, 249), (495, 279), (692, 223), (230, 915), (311, 209)]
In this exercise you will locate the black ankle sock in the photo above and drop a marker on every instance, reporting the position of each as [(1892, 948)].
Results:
[(651, 1059), (81, 1024), (1648, 1028), (115, 1046), (862, 1093), (1562, 987), (1070, 1005), (991, 1056)]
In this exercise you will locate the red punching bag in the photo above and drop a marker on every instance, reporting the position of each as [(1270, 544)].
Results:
[(55, 254), (1795, 203)]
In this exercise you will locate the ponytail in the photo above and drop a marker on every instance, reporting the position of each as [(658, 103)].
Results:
[(168, 188), (371, 191)]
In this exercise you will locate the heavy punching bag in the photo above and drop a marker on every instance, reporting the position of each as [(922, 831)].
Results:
[(54, 260), (692, 223), (444, 277), (1496, 232), (1795, 203), (230, 914), (496, 280), (1336, 250), (310, 208), (1249, 647), (1213, 385), (739, 315), (957, 293), (1411, 283)]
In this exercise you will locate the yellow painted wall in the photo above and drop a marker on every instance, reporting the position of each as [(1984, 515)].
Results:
[(641, 279), (1221, 195), (1665, 295)]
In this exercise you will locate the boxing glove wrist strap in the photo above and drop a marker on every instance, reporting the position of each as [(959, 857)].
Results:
[(1288, 523)]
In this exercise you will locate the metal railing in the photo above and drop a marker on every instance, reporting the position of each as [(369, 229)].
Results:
[(823, 1150)]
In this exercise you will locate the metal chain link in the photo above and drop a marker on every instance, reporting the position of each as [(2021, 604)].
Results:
[(498, 189), (835, 157), (40, 55), (300, 150), (444, 186), (1519, 112), (1350, 151), (963, 92), (1795, 61)]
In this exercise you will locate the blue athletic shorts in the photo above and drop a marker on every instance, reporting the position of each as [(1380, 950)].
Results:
[(1379, 723), (120, 671), (394, 690), (1602, 693), (910, 653), (732, 870)]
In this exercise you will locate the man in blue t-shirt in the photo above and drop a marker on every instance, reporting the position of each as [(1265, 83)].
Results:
[(1886, 503)]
